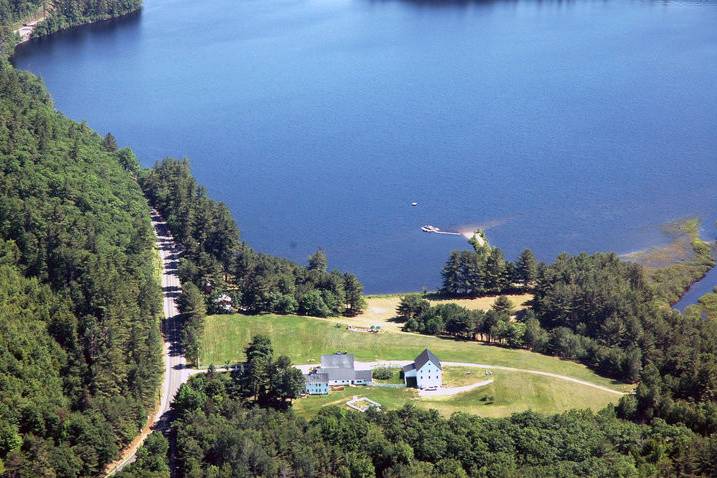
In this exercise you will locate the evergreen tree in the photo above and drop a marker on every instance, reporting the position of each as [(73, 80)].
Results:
[(318, 261), (503, 306), (526, 269), (411, 307), (496, 278), (109, 143), (463, 274), (355, 302)]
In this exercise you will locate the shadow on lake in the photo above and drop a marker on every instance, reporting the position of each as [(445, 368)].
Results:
[(106, 29)]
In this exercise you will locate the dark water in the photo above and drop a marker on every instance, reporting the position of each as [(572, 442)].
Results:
[(563, 125), (704, 286)]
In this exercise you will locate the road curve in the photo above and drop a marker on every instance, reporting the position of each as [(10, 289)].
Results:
[(451, 391), (175, 366)]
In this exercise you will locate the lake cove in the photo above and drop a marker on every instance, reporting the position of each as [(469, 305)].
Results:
[(564, 126)]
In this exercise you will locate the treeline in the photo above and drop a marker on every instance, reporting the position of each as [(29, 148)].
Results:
[(80, 356), (219, 434), (70, 13), (12, 11), (486, 271), (219, 263)]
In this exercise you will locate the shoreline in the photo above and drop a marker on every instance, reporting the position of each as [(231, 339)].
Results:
[(26, 30)]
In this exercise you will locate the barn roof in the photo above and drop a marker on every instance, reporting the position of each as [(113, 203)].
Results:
[(425, 357), (320, 378), (337, 361)]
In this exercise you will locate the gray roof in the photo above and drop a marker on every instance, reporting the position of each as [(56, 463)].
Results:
[(409, 367), (339, 373), (363, 375), (316, 377), (337, 361), (425, 357)]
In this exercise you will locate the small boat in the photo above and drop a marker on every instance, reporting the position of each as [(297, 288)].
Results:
[(414, 204), (429, 228)]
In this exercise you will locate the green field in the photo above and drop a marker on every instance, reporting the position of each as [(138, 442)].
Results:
[(510, 392), (304, 339)]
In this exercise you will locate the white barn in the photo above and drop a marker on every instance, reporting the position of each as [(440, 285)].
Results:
[(427, 371), (336, 370)]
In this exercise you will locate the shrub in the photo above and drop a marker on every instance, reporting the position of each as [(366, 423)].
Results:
[(382, 373)]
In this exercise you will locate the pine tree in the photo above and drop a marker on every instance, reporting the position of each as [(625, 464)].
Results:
[(318, 261), (526, 269), (353, 289), (496, 280), (109, 143)]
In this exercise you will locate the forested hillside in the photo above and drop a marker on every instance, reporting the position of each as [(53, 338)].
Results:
[(79, 335), (14, 10)]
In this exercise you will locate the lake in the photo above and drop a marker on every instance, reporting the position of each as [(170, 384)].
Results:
[(557, 125)]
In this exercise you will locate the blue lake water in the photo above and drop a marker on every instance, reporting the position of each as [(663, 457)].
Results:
[(563, 125)]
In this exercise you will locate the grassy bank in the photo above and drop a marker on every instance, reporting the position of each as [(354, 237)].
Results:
[(673, 268), (304, 339), (706, 306)]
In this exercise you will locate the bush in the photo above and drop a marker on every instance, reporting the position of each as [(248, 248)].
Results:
[(382, 373)]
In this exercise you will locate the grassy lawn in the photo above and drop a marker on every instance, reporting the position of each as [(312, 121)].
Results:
[(304, 339), (513, 392), (509, 393), (389, 398), (459, 376)]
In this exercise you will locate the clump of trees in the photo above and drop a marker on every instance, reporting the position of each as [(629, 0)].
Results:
[(215, 257), (266, 380), (486, 271), (193, 309), (493, 326), (80, 349), (152, 459), (382, 373)]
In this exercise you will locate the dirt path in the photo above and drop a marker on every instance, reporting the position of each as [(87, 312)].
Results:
[(451, 391), (535, 372)]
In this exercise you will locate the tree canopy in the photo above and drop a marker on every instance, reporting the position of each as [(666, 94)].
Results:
[(79, 299)]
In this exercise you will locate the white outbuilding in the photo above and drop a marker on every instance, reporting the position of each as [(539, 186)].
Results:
[(426, 371)]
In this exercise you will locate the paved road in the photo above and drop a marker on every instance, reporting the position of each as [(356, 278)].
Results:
[(175, 366)]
